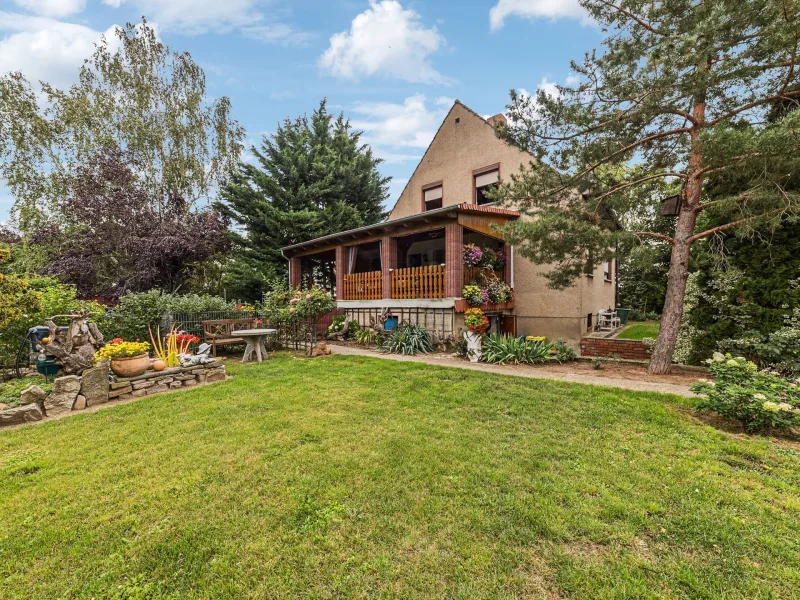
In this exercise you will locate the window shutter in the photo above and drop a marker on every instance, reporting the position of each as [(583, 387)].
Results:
[(485, 179), (433, 194)]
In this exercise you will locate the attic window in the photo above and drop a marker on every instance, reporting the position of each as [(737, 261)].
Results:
[(485, 182), (432, 197)]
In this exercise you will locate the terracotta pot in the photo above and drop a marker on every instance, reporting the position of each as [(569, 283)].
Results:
[(130, 366), (159, 365)]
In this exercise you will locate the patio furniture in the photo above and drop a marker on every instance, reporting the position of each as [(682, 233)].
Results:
[(255, 339), (607, 320), (225, 331)]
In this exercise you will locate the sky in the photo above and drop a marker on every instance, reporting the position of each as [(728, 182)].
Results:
[(393, 67)]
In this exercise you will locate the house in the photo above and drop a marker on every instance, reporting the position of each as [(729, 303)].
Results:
[(411, 266)]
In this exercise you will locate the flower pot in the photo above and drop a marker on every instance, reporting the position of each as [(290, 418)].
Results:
[(130, 366), (474, 345), (159, 365)]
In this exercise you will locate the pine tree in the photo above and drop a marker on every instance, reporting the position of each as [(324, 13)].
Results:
[(312, 177), (671, 92)]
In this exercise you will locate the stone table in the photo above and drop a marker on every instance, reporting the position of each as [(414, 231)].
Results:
[(255, 339)]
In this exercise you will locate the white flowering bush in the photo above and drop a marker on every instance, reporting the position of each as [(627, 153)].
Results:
[(757, 399)]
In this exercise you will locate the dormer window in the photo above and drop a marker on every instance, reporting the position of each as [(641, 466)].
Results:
[(485, 180), (432, 196)]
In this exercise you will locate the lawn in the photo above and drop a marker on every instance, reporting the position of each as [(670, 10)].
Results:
[(354, 477), (637, 330)]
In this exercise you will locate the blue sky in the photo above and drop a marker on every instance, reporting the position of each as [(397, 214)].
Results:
[(392, 66)]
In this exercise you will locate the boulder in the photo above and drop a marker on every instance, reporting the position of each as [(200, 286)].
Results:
[(215, 375), (320, 349), (27, 413), (32, 395), (94, 386), (62, 398), (80, 402)]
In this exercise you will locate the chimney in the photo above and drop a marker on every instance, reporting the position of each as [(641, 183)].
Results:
[(499, 119)]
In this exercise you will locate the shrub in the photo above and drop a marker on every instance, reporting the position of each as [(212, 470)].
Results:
[(337, 324), (472, 294), (563, 352), (353, 330), (779, 350), (757, 399), (365, 336), (503, 349), (407, 339)]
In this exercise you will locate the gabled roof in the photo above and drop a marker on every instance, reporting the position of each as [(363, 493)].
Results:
[(452, 108), (466, 207)]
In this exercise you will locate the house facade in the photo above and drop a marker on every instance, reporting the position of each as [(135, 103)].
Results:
[(411, 266)]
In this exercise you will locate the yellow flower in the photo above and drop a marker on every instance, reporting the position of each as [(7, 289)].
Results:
[(770, 406)]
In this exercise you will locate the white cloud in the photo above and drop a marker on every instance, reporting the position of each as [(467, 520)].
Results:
[(195, 17), (533, 9), (411, 124), (45, 49), (278, 33), (386, 40), (52, 8)]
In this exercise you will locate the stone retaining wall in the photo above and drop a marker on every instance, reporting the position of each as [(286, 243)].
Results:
[(602, 347), (98, 385)]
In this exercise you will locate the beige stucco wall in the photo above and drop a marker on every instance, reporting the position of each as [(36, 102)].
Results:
[(462, 147), (457, 150)]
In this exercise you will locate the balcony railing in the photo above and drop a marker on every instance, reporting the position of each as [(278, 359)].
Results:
[(418, 282), (363, 286), (480, 275)]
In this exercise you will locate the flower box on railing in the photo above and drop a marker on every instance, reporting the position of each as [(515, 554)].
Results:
[(462, 305)]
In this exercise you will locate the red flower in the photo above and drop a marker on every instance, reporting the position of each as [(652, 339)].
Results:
[(118, 341)]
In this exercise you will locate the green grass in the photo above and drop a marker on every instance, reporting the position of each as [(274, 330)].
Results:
[(637, 330), (352, 477)]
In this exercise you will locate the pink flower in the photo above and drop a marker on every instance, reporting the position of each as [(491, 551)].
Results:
[(291, 309), (293, 301), (308, 296)]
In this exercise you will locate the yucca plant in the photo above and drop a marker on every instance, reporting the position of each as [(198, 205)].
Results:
[(176, 343), (504, 349), (407, 339)]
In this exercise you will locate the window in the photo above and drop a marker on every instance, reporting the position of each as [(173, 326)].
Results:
[(485, 182), (607, 270), (432, 197)]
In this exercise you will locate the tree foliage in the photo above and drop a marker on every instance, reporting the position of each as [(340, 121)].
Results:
[(133, 94), (679, 93), (312, 177), (117, 238)]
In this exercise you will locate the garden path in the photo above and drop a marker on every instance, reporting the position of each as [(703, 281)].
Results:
[(534, 372)]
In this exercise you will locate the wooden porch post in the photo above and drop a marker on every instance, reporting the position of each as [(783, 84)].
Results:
[(295, 275), (454, 259), (341, 263), (388, 262)]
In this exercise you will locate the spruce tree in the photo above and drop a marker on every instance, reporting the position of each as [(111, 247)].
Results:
[(312, 177), (680, 92)]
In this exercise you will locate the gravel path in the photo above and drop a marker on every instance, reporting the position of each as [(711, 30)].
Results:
[(446, 360)]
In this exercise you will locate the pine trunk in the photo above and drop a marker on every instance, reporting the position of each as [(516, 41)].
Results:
[(661, 359)]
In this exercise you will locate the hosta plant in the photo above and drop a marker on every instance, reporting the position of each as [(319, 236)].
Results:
[(504, 349), (757, 399), (407, 339)]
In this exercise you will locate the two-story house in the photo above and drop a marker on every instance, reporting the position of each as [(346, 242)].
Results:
[(411, 266)]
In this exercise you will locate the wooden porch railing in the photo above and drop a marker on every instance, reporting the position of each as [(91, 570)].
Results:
[(418, 282), (481, 275), (363, 286)]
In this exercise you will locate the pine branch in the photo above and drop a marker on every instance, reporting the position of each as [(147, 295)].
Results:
[(749, 105), (658, 236), (732, 224), (630, 184), (630, 15)]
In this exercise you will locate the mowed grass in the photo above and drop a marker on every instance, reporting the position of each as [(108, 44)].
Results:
[(352, 477), (638, 330)]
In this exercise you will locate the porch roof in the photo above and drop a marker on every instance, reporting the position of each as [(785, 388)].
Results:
[(438, 215)]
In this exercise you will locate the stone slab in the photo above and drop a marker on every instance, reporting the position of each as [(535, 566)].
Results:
[(119, 392), (27, 413)]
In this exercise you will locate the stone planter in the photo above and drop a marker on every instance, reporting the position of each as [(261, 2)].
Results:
[(130, 366), (474, 345)]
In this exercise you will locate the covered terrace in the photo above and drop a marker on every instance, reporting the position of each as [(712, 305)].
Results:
[(420, 256)]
